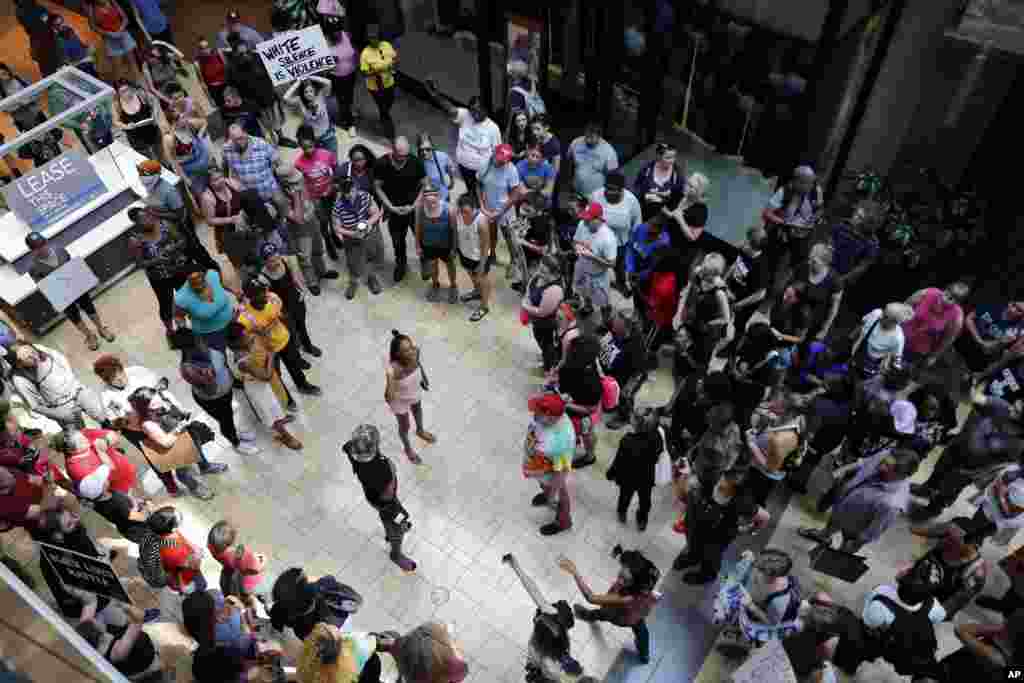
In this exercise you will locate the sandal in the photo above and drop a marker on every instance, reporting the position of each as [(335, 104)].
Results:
[(478, 315), (427, 436), (289, 441)]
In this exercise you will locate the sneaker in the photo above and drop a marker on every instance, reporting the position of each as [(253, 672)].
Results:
[(434, 293), (213, 468), (622, 516), (310, 390), (398, 275), (684, 561), (350, 291), (698, 578), (305, 364), (453, 295), (202, 491), (585, 461), (517, 287), (314, 290), (374, 284), (293, 407), (244, 448), (404, 563), (479, 314), (539, 500), (313, 351), (473, 295), (552, 528), (329, 275), (615, 423), (641, 525)]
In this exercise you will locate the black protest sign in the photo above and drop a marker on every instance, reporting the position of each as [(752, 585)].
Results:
[(90, 574)]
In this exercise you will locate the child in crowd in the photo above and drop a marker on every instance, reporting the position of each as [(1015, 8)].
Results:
[(242, 571)]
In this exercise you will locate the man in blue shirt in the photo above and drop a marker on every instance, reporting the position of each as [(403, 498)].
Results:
[(644, 241), (438, 165), (537, 173)]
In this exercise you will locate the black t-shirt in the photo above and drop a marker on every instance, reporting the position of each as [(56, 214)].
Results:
[(696, 215), (401, 185), (582, 384), (117, 510), (725, 518), (375, 476), (748, 275), (621, 358)]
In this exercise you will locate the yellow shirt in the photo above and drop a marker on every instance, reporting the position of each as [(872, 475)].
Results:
[(267, 322), (378, 63)]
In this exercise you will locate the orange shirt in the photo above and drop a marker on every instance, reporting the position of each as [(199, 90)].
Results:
[(177, 556)]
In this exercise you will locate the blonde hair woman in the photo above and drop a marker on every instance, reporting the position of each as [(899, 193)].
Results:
[(705, 312), (330, 655), (689, 218)]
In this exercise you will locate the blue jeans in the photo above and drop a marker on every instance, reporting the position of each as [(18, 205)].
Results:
[(614, 616)]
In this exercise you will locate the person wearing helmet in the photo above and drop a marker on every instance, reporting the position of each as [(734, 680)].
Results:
[(379, 479), (47, 258)]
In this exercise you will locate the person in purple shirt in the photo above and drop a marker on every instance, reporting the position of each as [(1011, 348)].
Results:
[(854, 243)]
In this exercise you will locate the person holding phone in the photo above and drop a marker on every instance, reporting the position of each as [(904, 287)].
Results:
[(379, 479)]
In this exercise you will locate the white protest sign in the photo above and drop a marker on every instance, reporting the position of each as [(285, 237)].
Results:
[(296, 54), (767, 664), (67, 283)]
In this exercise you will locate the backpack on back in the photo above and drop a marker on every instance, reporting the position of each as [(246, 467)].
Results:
[(909, 644)]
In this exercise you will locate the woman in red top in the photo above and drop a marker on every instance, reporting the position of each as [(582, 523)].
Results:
[(87, 450), (937, 322), (214, 70), (24, 498), (16, 451), (666, 284), (109, 20), (180, 559)]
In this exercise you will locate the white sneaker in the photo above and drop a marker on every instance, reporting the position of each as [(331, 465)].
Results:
[(248, 449), (247, 436)]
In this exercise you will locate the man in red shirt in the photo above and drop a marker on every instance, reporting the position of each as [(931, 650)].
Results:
[(180, 559)]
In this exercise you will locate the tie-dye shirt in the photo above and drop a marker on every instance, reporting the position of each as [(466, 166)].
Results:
[(356, 651), (549, 448)]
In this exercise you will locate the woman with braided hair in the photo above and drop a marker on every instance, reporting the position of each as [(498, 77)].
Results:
[(426, 654)]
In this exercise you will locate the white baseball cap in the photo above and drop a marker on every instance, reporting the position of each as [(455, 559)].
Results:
[(94, 485), (904, 414)]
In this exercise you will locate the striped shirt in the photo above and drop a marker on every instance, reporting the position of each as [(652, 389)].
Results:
[(349, 213), (254, 168)]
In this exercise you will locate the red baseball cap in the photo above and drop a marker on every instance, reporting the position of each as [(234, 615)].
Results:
[(593, 211), (503, 152), (547, 404)]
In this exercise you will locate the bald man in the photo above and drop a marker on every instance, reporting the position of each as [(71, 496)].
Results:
[(397, 181)]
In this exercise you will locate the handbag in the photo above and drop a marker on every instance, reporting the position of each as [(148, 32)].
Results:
[(663, 468), (610, 390), (182, 454)]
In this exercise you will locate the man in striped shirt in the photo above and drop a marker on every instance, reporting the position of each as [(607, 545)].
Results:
[(356, 222)]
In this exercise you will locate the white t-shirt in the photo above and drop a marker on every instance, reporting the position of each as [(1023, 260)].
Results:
[(621, 217), (476, 140), (881, 343), (878, 615), (602, 242), (800, 214), (115, 401)]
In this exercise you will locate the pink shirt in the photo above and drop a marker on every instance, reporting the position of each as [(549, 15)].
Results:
[(318, 170), (924, 332), (345, 54)]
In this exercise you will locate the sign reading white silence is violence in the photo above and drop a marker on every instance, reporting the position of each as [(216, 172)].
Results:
[(296, 54)]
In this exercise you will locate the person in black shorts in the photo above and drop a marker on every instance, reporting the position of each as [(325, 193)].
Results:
[(46, 259), (435, 242)]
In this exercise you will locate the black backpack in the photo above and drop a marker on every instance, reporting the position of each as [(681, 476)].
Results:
[(909, 644)]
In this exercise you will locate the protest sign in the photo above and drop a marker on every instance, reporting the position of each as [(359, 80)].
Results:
[(49, 193), (296, 54), (67, 283), (90, 574)]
